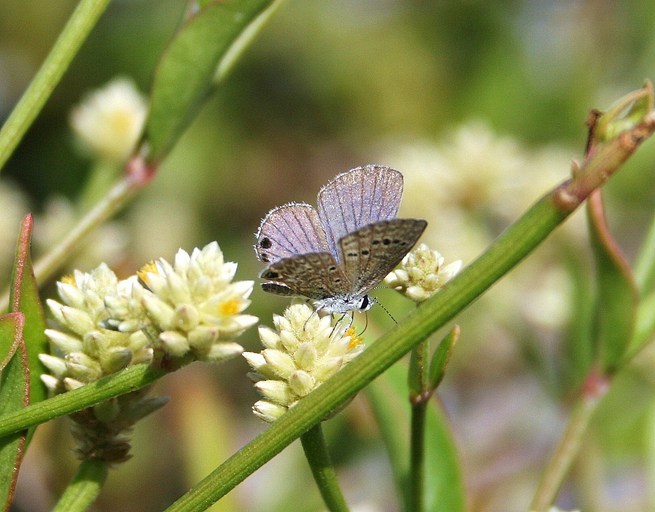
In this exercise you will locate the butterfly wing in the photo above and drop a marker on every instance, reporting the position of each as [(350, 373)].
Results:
[(314, 275), (371, 252), (358, 197), (288, 231)]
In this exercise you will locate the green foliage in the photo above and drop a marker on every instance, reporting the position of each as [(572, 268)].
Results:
[(25, 299), (196, 60), (617, 292), (14, 391)]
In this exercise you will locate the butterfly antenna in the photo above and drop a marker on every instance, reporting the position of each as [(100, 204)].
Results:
[(388, 313)]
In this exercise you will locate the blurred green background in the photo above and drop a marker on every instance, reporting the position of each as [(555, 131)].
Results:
[(482, 106)]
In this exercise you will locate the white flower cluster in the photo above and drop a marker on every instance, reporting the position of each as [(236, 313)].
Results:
[(190, 309), (302, 352), (87, 349), (422, 273), (109, 120), (194, 305)]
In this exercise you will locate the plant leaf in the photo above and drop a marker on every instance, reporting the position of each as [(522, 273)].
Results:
[(443, 478), (441, 357), (24, 298), (617, 292), (14, 395), (579, 348), (197, 59)]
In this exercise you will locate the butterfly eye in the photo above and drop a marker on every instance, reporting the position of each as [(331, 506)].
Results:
[(364, 304)]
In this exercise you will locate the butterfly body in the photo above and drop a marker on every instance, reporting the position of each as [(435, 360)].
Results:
[(337, 253)]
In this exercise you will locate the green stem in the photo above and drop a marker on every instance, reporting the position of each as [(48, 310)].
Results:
[(125, 381), (115, 199), (53, 260), (313, 443), (84, 488), (102, 177), (416, 495), (569, 444), (418, 396), (71, 38), (417, 375)]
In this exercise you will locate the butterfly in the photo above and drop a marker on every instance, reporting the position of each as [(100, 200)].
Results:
[(336, 254)]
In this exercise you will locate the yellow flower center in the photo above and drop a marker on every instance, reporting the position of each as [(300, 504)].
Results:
[(122, 121), (354, 339), (229, 307), (142, 273), (68, 279)]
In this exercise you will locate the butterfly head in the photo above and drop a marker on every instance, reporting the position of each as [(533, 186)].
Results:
[(345, 303)]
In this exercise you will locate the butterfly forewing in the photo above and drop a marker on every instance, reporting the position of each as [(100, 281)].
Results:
[(370, 253), (353, 199), (314, 275), (288, 231)]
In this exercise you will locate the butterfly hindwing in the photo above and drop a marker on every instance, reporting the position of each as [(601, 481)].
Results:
[(314, 275), (288, 231), (371, 252), (356, 198)]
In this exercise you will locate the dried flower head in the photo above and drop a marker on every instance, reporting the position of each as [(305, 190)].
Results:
[(195, 306), (422, 273), (109, 120), (299, 355)]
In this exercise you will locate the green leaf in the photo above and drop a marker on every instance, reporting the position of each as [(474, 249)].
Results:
[(443, 478), (14, 395), (645, 265), (579, 349), (22, 339), (441, 357), (24, 298), (200, 55), (617, 292), (645, 325)]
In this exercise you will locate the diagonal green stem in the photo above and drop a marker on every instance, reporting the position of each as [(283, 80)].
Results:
[(125, 381), (84, 488), (313, 443), (79, 25)]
